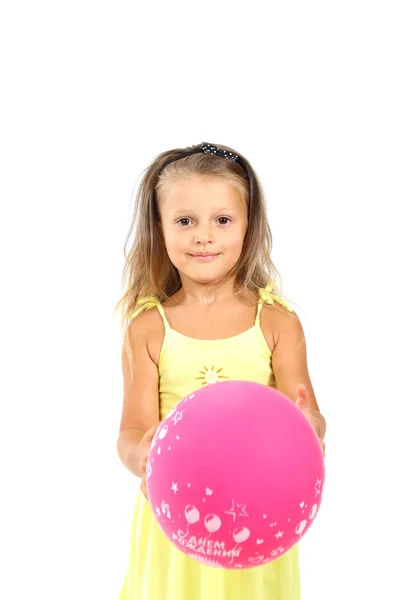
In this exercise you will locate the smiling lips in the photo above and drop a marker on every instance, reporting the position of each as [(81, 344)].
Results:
[(204, 255)]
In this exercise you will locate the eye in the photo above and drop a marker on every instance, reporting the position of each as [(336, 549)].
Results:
[(182, 223), (222, 219)]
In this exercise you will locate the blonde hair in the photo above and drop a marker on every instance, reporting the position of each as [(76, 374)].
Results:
[(148, 270)]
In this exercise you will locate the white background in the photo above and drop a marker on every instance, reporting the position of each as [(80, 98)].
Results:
[(312, 93)]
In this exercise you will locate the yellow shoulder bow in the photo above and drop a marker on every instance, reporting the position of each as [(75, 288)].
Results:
[(145, 303), (267, 296)]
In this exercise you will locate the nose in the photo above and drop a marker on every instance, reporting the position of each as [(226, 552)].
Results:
[(203, 236)]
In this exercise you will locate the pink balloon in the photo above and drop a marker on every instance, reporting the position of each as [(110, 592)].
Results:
[(239, 471)]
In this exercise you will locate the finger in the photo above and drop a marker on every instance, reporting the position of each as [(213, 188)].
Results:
[(322, 446), (149, 435), (143, 487), (299, 403), (302, 394), (155, 428)]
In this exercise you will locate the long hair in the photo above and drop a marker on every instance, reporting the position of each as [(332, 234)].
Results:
[(148, 270)]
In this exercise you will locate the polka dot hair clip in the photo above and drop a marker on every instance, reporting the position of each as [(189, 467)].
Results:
[(211, 149)]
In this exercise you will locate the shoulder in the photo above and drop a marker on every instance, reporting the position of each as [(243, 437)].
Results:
[(146, 317), (289, 352), (278, 322), (148, 328)]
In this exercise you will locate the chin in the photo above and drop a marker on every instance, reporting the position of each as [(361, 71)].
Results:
[(204, 278)]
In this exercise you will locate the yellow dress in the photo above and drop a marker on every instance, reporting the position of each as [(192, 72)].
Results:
[(157, 570)]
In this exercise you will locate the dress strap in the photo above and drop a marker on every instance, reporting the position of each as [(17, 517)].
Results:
[(147, 303), (267, 296)]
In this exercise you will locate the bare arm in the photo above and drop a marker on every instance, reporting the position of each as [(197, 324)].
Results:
[(289, 363), (140, 410)]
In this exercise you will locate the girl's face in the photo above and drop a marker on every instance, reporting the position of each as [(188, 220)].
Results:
[(204, 224)]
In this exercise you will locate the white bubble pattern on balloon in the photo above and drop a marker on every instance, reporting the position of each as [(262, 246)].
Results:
[(241, 534), (165, 509), (300, 527), (188, 398), (212, 523), (192, 515), (163, 432), (313, 511)]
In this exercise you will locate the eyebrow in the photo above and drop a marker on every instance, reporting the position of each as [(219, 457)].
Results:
[(181, 211)]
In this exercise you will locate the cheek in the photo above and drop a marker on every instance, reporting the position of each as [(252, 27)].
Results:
[(172, 238), (236, 242), (173, 241)]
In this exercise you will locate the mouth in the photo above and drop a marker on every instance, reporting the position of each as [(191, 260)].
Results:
[(205, 255)]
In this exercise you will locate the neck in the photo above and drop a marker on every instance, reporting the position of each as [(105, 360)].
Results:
[(193, 292)]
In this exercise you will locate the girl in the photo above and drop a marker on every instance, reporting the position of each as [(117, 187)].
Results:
[(201, 306)]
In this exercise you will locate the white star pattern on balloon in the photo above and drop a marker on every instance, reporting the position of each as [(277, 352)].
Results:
[(279, 534), (239, 508), (178, 416), (318, 487), (175, 487), (243, 512), (232, 511)]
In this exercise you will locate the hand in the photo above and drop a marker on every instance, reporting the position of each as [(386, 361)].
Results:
[(312, 415), (143, 449)]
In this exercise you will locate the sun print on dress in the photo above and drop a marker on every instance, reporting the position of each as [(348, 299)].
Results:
[(211, 375)]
